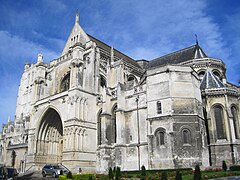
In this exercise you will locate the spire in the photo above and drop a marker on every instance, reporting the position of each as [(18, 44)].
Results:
[(77, 17), (196, 39)]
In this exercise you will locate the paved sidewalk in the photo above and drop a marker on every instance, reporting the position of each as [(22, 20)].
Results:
[(33, 175)]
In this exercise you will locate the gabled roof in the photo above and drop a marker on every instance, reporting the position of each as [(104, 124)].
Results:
[(117, 53), (77, 35), (210, 81), (192, 52)]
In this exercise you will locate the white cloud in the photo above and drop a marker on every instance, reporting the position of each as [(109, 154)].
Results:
[(149, 29), (55, 6), (22, 48), (14, 52), (163, 26)]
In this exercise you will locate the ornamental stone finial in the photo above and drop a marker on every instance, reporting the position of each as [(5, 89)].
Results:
[(77, 17)]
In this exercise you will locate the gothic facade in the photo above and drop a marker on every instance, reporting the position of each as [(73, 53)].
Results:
[(94, 108)]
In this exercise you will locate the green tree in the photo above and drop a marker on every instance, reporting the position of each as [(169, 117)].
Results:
[(197, 173), (69, 175)]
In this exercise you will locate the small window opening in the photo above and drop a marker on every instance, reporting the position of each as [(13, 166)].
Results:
[(159, 107), (186, 136)]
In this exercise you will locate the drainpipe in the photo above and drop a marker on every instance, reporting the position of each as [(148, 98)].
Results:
[(138, 129)]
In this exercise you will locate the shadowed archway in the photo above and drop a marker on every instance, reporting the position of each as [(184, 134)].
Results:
[(50, 138)]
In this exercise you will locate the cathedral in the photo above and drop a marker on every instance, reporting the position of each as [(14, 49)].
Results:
[(95, 107)]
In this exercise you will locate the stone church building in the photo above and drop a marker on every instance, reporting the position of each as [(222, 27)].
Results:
[(95, 107)]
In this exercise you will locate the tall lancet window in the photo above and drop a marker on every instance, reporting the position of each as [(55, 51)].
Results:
[(220, 125), (99, 127), (235, 121), (114, 125)]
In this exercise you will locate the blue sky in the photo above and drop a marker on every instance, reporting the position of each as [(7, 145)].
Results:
[(139, 28)]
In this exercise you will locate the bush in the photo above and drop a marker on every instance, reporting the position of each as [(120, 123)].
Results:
[(69, 175), (83, 176), (178, 175), (87, 176), (197, 173), (143, 172), (118, 173), (102, 177), (62, 177), (164, 176), (110, 173), (234, 168), (224, 166)]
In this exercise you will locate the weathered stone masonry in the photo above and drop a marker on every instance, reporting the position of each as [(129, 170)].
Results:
[(94, 108)]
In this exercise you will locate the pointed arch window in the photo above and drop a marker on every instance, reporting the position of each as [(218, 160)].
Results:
[(235, 121), (220, 126), (186, 136), (65, 84)]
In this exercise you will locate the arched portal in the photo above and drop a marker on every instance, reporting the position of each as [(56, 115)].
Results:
[(50, 137)]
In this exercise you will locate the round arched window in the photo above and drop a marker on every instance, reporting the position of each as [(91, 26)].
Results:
[(218, 74)]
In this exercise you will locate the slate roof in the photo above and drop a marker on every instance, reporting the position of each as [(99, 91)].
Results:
[(210, 81), (192, 52), (116, 52)]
